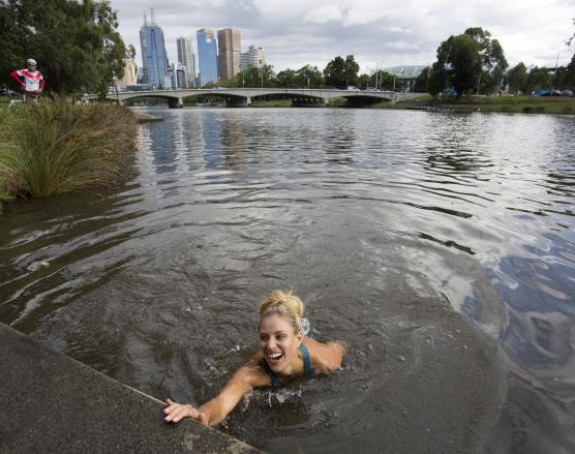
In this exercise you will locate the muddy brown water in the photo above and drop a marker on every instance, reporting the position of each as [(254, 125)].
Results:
[(440, 246)]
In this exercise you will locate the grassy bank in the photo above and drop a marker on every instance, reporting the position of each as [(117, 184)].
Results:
[(53, 148), (502, 104)]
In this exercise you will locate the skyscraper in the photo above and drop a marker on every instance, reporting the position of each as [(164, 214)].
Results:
[(154, 57), (207, 56), (255, 56), (187, 59), (229, 50)]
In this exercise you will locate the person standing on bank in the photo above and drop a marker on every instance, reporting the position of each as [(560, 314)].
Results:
[(285, 354), (30, 80)]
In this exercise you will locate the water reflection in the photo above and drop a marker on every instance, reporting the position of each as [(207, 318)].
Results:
[(422, 239)]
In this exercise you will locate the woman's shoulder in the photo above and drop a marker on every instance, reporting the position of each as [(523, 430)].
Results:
[(253, 372), (325, 357)]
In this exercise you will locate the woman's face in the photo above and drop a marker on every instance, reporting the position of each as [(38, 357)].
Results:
[(278, 342)]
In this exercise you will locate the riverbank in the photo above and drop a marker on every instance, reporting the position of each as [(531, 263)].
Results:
[(489, 104), (60, 147), (52, 403)]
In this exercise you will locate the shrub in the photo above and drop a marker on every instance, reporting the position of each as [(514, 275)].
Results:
[(54, 148)]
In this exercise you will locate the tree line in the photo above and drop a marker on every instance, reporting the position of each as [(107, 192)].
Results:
[(474, 63), (79, 49), (341, 72), (77, 45)]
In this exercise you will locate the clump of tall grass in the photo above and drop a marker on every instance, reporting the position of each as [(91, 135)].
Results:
[(52, 148)]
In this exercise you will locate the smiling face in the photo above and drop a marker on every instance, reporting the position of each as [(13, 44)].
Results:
[(279, 343)]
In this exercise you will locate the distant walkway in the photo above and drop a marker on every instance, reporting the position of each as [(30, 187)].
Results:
[(244, 96), (50, 403)]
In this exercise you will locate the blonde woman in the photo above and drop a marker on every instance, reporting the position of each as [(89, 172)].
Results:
[(285, 354)]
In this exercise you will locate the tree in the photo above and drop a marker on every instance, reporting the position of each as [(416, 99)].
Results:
[(363, 81), (422, 80), (383, 79), (493, 61), (464, 60), (77, 45), (517, 78), (287, 78), (538, 78), (341, 73), (253, 76), (310, 77), (569, 78), (13, 35)]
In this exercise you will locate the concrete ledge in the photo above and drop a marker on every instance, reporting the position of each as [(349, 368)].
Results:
[(52, 403)]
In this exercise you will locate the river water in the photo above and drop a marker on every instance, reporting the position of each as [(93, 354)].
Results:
[(441, 247)]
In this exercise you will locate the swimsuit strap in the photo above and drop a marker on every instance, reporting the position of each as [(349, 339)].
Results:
[(276, 382), (306, 361)]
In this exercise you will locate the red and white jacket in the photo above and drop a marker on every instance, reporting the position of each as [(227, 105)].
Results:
[(30, 81)]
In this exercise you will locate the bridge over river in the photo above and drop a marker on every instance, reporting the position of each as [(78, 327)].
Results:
[(244, 96)]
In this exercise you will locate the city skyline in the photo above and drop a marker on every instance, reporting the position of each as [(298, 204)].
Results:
[(378, 33)]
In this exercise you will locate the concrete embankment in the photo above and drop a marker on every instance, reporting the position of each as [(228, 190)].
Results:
[(52, 403)]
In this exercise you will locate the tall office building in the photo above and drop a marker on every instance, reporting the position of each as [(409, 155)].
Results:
[(229, 53), (178, 73), (255, 56), (187, 59), (154, 57), (130, 72), (207, 56)]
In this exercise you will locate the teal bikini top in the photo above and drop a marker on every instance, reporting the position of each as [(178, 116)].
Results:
[(308, 368)]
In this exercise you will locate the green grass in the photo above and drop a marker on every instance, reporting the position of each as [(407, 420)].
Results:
[(502, 104), (54, 148)]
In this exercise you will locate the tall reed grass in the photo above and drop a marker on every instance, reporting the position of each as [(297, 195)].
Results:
[(52, 148)]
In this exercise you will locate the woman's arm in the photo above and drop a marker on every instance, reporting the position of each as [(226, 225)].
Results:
[(213, 412), (326, 357)]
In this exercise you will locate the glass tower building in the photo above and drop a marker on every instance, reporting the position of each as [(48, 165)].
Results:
[(187, 59), (154, 57), (207, 56)]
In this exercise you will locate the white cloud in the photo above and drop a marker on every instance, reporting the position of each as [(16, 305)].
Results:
[(323, 14)]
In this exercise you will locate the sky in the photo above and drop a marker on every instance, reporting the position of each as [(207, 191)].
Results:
[(379, 33)]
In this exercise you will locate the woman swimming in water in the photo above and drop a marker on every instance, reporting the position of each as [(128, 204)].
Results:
[(285, 354)]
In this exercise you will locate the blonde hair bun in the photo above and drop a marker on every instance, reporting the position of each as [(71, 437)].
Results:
[(284, 304)]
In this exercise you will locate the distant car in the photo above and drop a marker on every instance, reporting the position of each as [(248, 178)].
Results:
[(546, 92), (352, 88), (567, 93), (449, 92), (372, 89)]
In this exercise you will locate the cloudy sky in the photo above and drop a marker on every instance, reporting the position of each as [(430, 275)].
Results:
[(379, 33)]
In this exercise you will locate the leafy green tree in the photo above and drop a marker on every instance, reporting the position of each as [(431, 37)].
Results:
[(517, 78), (253, 77), (439, 78), (287, 78), (569, 78), (341, 73), (383, 79), (463, 61), (422, 80), (77, 45), (363, 81), (310, 76), (493, 61), (14, 34), (538, 78)]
